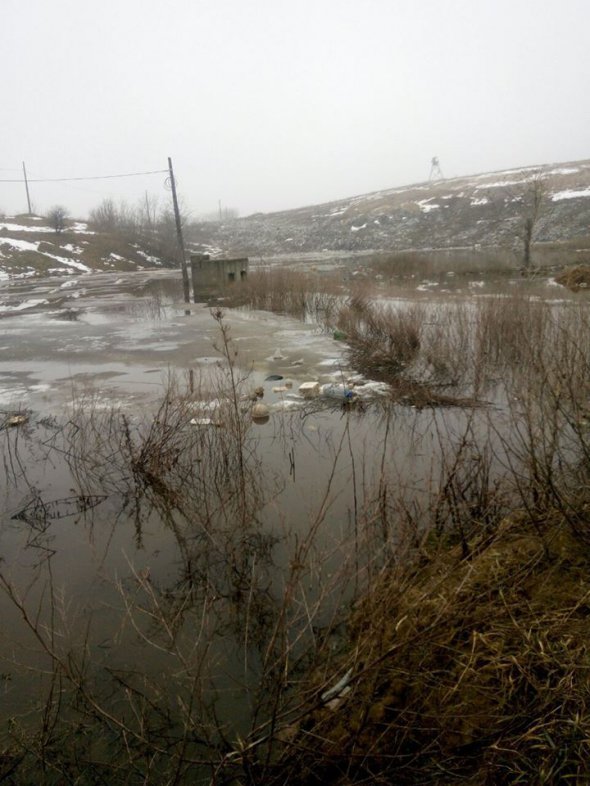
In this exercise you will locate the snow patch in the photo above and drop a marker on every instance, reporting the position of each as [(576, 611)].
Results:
[(22, 228), (149, 258), (571, 193), (500, 184), (425, 206), (80, 227), (21, 245), (69, 262)]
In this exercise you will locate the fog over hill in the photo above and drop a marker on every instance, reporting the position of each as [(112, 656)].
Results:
[(481, 210)]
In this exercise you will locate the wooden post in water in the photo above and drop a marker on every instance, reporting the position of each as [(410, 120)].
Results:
[(185, 281)]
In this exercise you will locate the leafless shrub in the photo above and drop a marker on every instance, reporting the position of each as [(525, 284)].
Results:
[(57, 218), (383, 341)]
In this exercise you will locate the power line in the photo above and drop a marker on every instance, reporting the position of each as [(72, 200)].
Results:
[(91, 177)]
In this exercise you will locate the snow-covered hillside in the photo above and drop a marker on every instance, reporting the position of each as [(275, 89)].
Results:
[(29, 247), (486, 209)]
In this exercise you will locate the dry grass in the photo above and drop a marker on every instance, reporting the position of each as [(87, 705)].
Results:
[(468, 671), (575, 278), (286, 291)]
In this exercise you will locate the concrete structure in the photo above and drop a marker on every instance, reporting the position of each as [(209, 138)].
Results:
[(207, 273)]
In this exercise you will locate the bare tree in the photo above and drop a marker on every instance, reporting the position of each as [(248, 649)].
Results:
[(105, 217), (533, 199), (57, 218)]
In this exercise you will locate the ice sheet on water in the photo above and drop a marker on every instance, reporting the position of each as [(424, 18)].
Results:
[(25, 304)]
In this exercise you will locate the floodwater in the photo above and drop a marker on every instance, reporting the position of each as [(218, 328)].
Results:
[(88, 549)]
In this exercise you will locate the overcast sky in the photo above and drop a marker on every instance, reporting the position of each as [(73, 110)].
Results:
[(274, 104)]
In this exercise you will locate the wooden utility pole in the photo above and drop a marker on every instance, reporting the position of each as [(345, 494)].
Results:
[(185, 281), (27, 188), (147, 211)]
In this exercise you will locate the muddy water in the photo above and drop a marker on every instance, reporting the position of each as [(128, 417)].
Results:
[(122, 336), (88, 546)]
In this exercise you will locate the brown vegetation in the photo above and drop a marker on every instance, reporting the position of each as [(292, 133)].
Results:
[(575, 278)]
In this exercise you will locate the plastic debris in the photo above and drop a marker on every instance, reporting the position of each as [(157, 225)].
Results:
[(372, 389), (39, 510), (334, 695), (16, 420), (286, 404), (260, 413), (280, 389), (273, 378), (309, 389), (332, 390), (204, 422)]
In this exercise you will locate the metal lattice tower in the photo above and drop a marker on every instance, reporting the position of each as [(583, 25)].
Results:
[(435, 170)]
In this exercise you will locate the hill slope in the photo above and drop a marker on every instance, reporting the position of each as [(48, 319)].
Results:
[(28, 247), (487, 210)]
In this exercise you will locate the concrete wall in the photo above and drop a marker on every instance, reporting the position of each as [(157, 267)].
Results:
[(209, 273)]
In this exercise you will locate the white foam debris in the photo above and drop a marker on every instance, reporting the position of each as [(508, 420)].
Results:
[(357, 229), (572, 193), (481, 201), (309, 389), (285, 405), (368, 389), (566, 170), (116, 256)]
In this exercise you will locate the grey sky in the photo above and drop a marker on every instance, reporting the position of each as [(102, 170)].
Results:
[(273, 104)]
